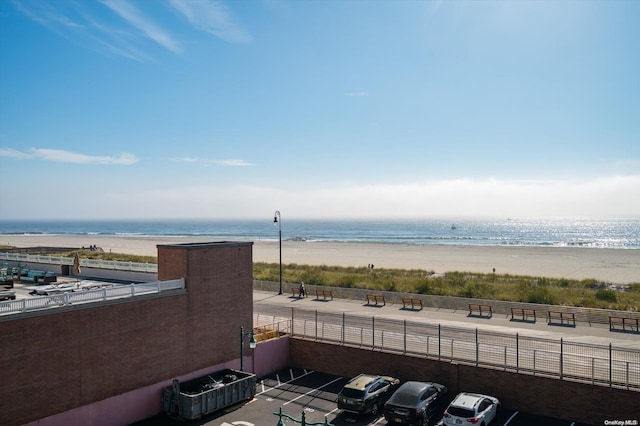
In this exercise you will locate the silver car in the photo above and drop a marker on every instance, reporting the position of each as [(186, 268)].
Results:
[(471, 408)]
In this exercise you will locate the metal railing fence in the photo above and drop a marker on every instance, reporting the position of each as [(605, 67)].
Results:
[(84, 263), (86, 296), (559, 358)]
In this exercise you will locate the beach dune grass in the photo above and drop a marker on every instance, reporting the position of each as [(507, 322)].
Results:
[(553, 291)]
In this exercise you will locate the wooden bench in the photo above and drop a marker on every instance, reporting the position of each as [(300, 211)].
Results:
[(565, 318), (632, 323), (324, 294), (523, 314), (480, 310), (376, 299), (411, 301)]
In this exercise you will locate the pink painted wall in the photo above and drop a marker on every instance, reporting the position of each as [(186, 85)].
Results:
[(270, 355)]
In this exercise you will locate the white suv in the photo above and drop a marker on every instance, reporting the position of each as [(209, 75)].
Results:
[(471, 408)]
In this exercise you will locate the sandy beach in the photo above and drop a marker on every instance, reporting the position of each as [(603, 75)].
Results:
[(616, 266)]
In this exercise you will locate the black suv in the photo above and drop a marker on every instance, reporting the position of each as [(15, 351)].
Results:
[(366, 393), (415, 403)]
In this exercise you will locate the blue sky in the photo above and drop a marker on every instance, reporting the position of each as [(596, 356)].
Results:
[(319, 109)]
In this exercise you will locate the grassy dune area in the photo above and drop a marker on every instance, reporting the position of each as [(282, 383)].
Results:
[(552, 291)]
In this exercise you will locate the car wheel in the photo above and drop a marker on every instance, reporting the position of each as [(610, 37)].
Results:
[(425, 420), (374, 409)]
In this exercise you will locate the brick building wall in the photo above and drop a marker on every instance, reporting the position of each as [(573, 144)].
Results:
[(220, 276), (584, 403), (60, 359)]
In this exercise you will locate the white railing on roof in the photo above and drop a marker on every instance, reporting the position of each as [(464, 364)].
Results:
[(70, 296), (84, 263)]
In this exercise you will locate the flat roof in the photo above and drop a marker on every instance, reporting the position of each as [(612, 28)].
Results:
[(207, 244)]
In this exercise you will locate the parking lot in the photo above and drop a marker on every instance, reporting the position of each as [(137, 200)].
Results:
[(298, 391)]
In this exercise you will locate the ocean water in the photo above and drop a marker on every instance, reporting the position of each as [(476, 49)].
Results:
[(588, 233)]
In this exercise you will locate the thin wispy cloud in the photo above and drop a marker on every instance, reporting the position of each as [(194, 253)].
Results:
[(41, 12), (356, 94), (197, 160), (137, 19), (50, 16), (233, 163), (62, 156), (12, 153), (119, 42), (79, 24), (212, 17), (127, 29), (187, 159)]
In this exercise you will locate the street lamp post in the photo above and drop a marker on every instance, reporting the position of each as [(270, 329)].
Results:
[(252, 345), (277, 219)]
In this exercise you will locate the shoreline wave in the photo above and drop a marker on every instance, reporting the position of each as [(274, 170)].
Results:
[(578, 233), (418, 242)]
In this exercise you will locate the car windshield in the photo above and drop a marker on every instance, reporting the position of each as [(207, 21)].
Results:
[(403, 399), (461, 412), (352, 393)]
